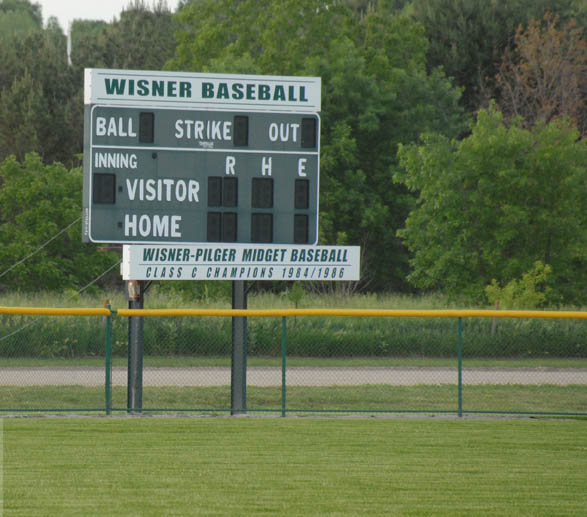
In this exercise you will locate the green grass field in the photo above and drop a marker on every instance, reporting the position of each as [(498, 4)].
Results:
[(423, 398), (294, 466)]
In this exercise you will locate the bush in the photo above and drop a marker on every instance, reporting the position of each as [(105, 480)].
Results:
[(529, 292)]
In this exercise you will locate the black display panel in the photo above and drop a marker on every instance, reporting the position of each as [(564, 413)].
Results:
[(300, 229), (146, 128), (262, 193), (262, 228), (104, 189)]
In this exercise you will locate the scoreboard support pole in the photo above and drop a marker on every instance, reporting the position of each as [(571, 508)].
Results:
[(238, 385), (238, 390), (136, 300)]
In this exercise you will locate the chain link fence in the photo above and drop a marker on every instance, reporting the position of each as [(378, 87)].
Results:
[(297, 362)]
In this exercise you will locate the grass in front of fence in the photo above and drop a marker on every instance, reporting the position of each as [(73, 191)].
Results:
[(496, 398), (298, 466)]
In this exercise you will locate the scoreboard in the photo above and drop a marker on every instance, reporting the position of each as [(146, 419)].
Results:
[(198, 158)]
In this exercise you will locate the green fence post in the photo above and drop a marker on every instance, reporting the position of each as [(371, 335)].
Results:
[(238, 372), (283, 363), (460, 365), (108, 380)]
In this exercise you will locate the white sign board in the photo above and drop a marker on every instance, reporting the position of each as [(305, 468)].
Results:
[(183, 90), (240, 262)]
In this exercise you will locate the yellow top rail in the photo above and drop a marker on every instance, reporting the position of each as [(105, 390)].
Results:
[(390, 313), (54, 311), (353, 312)]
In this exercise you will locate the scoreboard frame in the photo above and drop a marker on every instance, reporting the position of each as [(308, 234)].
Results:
[(202, 168)]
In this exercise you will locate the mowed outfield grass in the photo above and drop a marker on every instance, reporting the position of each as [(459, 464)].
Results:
[(514, 398), (294, 466)]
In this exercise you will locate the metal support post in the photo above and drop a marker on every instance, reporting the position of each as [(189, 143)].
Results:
[(135, 289), (238, 387), (108, 368), (283, 364), (460, 367)]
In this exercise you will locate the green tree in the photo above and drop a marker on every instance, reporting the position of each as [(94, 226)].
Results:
[(36, 202), (35, 98), (492, 204), (376, 94), (48, 118), (141, 39), (85, 46), (19, 18), (22, 116)]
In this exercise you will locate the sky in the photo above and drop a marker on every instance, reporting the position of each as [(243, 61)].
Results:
[(67, 10)]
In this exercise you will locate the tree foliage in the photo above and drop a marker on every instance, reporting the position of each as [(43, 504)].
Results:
[(36, 202), (41, 97), (492, 204), (468, 37), (35, 96), (19, 17), (545, 76), (142, 39), (377, 94)]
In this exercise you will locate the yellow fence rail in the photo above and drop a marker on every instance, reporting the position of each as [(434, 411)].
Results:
[(55, 311), (389, 313)]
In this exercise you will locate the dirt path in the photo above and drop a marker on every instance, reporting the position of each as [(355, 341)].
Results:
[(296, 376)]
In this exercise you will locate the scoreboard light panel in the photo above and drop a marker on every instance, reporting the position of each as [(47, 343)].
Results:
[(193, 176)]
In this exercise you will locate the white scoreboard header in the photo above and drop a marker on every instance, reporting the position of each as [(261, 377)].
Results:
[(240, 262), (183, 90)]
